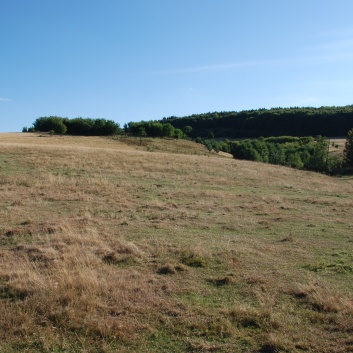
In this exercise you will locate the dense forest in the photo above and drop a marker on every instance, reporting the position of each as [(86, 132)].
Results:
[(324, 121)]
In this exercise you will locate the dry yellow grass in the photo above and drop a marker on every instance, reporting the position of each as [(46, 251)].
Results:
[(159, 246)]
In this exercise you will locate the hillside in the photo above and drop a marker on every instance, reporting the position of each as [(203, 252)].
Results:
[(137, 245)]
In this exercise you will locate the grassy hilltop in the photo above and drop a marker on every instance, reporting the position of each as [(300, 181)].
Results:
[(138, 245)]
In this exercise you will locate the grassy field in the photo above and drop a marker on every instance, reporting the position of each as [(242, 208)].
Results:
[(142, 245)]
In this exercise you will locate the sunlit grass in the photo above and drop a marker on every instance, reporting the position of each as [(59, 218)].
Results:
[(107, 246)]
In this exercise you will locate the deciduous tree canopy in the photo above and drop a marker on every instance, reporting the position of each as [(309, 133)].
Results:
[(153, 129), (348, 150), (78, 126), (296, 152), (308, 121)]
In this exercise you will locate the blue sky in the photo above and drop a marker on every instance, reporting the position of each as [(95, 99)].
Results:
[(132, 60)]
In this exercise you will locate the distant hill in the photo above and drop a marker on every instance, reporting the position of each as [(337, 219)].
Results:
[(294, 121)]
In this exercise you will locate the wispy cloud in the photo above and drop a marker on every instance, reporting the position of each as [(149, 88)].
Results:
[(338, 44), (5, 99), (328, 57), (234, 66), (337, 47), (343, 32), (215, 67)]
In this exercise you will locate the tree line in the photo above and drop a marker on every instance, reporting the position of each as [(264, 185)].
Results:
[(103, 127), (295, 121), (297, 152), (153, 129), (324, 121), (77, 126), (310, 153), (300, 151)]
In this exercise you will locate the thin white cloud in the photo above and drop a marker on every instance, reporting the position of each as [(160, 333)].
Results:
[(221, 67), (296, 61), (337, 47), (336, 33), (215, 67), (335, 51), (346, 43), (336, 44), (5, 99)]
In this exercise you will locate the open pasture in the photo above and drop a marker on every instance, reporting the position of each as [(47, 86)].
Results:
[(160, 246)]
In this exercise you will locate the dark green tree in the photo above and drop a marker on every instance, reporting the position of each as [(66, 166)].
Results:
[(187, 130), (294, 121), (104, 127), (168, 130), (142, 132), (80, 126), (77, 126), (276, 153), (318, 159), (210, 135), (348, 150), (178, 134), (295, 161), (261, 147), (154, 129), (59, 127), (45, 124), (245, 150)]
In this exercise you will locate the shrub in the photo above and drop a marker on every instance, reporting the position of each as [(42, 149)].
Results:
[(335, 164), (245, 150), (348, 150), (297, 152), (295, 161), (318, 159), (178, 134), (168, 130)]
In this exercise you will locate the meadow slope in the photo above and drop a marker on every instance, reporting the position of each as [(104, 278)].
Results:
[(159, 246)]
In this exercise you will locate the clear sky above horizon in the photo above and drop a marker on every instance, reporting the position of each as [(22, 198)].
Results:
[(132, 60)]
